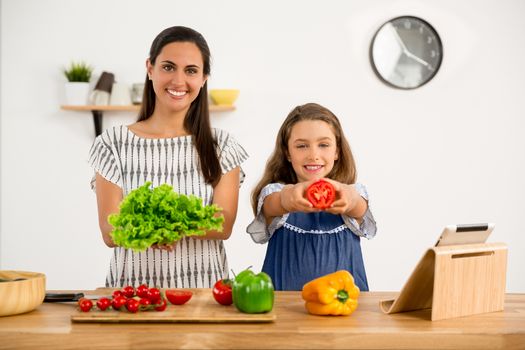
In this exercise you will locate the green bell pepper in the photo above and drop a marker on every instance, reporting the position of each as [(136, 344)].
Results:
[(253, 293)]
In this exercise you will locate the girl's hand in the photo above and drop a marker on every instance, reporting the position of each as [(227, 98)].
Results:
[(347, 200), (293, 198)]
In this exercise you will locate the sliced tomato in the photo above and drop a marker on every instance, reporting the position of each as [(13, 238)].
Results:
[(321, 194), (178, 296)]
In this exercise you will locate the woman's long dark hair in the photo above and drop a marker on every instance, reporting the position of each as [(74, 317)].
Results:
[(197, 120)]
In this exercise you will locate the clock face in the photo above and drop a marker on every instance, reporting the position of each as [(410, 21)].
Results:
[(406, 52)]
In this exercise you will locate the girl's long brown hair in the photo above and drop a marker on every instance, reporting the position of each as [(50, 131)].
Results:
[(279, 170), (197, 120)]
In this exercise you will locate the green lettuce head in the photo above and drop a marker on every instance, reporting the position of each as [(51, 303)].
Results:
[(161, 216)]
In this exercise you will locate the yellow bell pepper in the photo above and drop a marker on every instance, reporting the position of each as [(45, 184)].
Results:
[(332, 294)]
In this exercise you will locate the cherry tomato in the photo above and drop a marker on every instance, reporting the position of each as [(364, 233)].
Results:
[(144, 303), (162, 305), (222, 292), (142, 291), (116, 293), (103, 303), (321, 194), (178, 297), (154, 295), (85, 304), (128, 291), (132, 305), (118, 302)]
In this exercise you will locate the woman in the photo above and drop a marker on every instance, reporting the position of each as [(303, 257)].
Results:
[(172, 142)]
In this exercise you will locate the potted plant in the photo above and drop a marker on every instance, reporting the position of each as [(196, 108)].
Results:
[(77, 87)]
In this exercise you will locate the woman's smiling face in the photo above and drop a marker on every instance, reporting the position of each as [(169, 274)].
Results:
[(312, 149), (177, 75)]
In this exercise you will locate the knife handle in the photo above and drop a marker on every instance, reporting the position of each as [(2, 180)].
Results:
[(62, 297)]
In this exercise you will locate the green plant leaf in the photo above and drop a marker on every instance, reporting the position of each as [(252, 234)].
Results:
[(78, 72)]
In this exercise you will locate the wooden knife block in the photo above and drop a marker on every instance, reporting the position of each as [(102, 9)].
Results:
[(455, 281)]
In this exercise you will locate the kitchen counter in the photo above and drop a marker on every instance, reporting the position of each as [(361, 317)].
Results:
[(50, 326)]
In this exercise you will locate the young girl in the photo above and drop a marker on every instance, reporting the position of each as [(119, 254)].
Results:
[(172, 142), (303, 242)]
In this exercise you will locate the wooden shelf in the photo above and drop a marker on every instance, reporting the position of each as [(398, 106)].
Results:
[(97, 111)]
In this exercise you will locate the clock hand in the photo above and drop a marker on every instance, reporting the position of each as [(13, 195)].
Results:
[(398, 38), (415, 58), (405, 49)]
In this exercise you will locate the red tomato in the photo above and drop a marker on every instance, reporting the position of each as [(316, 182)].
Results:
[(142, 291), (118, 302), (132, 305), (103, 303), (144, 303), (128, 291), (162, 305), (116, 293), (222, 292), (85, 304), (154, 295), (321, 194), (178, 297)]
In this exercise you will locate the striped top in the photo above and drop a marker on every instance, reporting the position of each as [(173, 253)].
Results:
[(128, 161)]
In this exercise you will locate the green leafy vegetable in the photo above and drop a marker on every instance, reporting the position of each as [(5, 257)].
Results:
[(161, 216)]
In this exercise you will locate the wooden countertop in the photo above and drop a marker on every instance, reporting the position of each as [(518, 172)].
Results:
[(50, 326)]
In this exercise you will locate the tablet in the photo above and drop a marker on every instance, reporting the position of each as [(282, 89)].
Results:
[(465, 234)]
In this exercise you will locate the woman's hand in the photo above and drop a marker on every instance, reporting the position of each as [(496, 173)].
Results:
[(167, 247), (347, 201)]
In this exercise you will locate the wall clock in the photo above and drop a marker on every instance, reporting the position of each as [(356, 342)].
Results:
[(406, 52)]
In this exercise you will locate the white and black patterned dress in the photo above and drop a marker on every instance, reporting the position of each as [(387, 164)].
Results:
[(128, 161)]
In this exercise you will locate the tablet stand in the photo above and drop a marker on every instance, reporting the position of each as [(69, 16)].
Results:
[(455, 281)]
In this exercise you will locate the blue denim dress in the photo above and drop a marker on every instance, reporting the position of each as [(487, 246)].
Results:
[(310, 245)]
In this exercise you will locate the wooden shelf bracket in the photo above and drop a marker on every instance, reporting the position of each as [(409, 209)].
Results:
[(97, 121)]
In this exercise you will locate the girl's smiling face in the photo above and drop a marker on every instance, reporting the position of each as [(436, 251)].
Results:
[(312, 149), (177, 75)]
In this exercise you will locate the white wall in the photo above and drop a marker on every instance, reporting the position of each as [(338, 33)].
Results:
[(449, 152)]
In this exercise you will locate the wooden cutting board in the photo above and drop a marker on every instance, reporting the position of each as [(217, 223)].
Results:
[(202, 308)]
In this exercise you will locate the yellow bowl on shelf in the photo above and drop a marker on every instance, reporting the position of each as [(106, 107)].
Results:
[(224, 97), (21, 291)]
